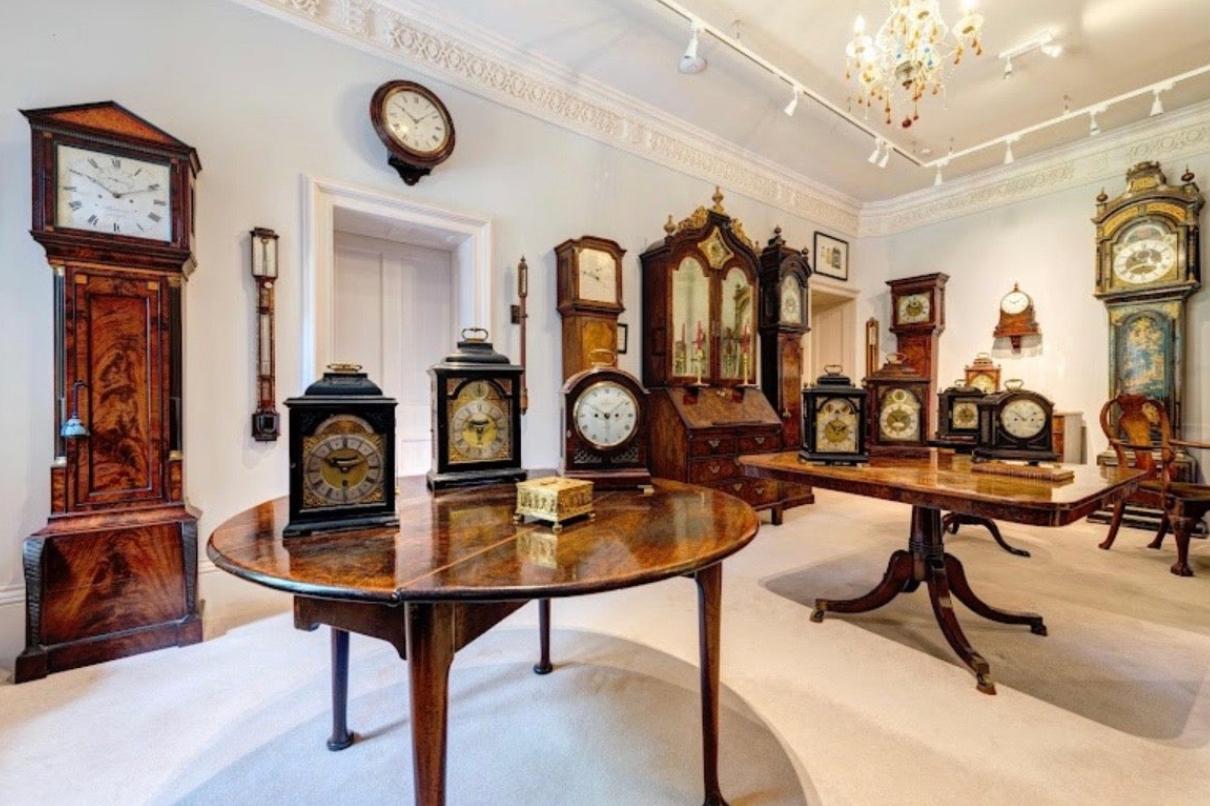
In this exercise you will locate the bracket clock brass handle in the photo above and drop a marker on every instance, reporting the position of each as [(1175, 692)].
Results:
[(1013, 384), (832, 369), (482, 331)]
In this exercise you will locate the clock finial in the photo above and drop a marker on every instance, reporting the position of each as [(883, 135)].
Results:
[(1102, 197), (1187, 176), (776, 240), (717, 198), (669, 227)]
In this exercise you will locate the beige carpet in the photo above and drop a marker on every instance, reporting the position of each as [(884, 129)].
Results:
[(1110, 708)]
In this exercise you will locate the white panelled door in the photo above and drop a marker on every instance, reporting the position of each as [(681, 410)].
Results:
[(394, 315)]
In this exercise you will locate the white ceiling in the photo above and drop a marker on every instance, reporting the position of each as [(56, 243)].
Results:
[(1111, 46)]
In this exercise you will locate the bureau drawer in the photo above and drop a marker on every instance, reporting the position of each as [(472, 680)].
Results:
[(722, 445), (737, 487), (763, 491), (703, 471), (760, 443)]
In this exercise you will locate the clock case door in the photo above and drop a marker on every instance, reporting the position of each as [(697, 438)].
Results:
[(996, 443), (781, 358), (507, 380), (306, 415), (621, 466)]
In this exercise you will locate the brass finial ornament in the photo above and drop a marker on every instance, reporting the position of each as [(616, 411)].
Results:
[(1102, 197), (669, 226), (717, 198), (1187, 176)]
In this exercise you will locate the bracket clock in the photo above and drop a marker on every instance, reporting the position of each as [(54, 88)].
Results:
[(958, 414), (918, 320), (113, 209), (783, 321), (1016, 424), (589, 284), (342, 454), (605, 424), (898, 402), (834, 420), (476, 415), (983, 374)]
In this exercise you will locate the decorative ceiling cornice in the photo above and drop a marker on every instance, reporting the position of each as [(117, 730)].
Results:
[(1179, 134), (486, 65)]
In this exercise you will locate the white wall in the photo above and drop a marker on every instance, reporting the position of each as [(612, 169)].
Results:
[(263, 103), (1048, 246)]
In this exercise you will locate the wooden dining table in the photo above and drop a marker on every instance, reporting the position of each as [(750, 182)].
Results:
[(945, 482), (457, 565)]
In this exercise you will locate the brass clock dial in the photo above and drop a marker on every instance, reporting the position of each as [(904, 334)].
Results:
[(1146, 252), (343, 463), (1023, 419), (983, 382), (913, 309), (899, 418), (791, 301), (965, 414), (479, 424), (836, 427), (606, 415)]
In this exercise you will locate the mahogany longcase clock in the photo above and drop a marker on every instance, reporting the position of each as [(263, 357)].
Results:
[(784, 273), (918, 320), (114, 572), (589, 286)]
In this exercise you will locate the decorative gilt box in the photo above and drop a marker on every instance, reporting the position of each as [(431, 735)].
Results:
[(553, 499)]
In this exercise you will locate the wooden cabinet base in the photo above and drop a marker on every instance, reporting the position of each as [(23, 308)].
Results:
[(105, 586)]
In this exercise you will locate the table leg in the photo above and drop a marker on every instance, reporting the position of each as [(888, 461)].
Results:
[(341, 737), (895, 581), (543, 665), (962, 589), (709, 603), (953, 520), (430, 651)]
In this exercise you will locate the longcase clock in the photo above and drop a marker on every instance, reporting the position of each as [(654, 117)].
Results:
[(784, 273), (918, 320), (589, 284), (114, 572)]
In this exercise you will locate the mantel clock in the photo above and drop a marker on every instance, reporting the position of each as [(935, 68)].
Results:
[(784, 273), (606, 427), (1015, 424), (918, 320), (589, 287), (958, 414), (983, 374), (342, 454), (476, 416), (113, 209), (834, 420), (898, 402), (1017, 318)]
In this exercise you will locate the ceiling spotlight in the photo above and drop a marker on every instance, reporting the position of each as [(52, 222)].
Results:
[(1054, 51), (1094, 128), (873, 158), (1157, 106), (790, 107), (691, 63), (886, 155), (1008, 67), (1044, 42), (937, 179), (1008, 152)]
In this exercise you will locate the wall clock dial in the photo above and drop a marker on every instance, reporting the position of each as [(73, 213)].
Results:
[(414, 125), (112, 194), (606, 414), (1014, 302), (1017, 318)]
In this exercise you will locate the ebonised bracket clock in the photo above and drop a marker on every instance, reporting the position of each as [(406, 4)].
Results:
[(1015, 424), (113, 208), (606, 426)]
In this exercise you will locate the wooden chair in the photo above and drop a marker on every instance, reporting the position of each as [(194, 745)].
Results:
[(1140, 419)]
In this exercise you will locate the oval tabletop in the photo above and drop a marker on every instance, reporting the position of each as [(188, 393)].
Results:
[(463, 545)]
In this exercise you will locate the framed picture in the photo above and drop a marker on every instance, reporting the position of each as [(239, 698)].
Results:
[(831, 257), (623, 338)]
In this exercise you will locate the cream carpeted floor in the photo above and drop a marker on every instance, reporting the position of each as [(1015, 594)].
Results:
[(1111, 708)]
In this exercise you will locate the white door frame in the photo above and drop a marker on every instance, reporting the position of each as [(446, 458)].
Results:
[(321, 198)]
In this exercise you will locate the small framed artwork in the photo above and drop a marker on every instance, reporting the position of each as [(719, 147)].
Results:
[(623, 338), (831, 257)]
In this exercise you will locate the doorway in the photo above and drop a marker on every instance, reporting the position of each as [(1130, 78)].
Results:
[(833, 335)]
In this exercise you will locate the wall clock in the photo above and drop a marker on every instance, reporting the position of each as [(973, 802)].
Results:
[(605, 427), (1017, 318), (588, 282), (114, 572), (898, 399), (1015, 424), (784, 274), (414, 125), (476, 416), (983, 374), (834, 420), (342, 454)]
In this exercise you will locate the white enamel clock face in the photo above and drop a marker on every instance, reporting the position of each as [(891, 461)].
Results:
[(913, 308), (1146, 252), (791, 302), (900, 416), (836, 427), (1014, 302), (415, 122), (598, 276), (112, 194), (1023, 419), (606, 414)]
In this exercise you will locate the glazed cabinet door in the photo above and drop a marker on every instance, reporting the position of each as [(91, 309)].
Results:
[(116, 342), (737, 327)]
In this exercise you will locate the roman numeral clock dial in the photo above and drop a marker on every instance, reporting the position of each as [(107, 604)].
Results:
[(414, 125), (113, 194)]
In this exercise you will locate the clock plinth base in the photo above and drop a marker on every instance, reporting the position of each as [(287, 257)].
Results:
[(344, 524), (898, 451), (473, 478), (611, 479), (849, 460)]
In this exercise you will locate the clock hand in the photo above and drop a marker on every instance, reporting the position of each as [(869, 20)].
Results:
[(132, 192), (94, 180), (344, 465)]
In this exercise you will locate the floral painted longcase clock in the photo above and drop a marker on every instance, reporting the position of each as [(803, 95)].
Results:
[(114, 572)]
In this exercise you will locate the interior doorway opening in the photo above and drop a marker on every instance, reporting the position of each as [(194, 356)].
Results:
[(833, 335)]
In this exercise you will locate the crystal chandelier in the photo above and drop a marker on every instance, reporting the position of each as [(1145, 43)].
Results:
[(906, 58)]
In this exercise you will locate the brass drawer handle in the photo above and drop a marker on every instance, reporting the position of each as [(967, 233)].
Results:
[(759, 440), (714, 468), (739, 485), (714, 443)]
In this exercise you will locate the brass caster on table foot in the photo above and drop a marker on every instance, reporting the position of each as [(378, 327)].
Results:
[(984, 683), (543, 668), (1104, 545), (1181, 570), (817, 613), (336, 744), (1038, 629)]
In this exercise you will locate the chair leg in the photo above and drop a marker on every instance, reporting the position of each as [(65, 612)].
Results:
[(1159, 537), (1182, 529), (1114, 525)]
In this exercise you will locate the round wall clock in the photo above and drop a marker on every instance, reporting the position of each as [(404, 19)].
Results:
[(414, 125)]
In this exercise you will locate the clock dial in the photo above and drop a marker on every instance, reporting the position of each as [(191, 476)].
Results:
[(606, 414), (480, 424), (913, 309), (343, 464), (791, 301), (598, 276), (836, 427), (983, 382), (415, 122), (965, 414), (1014, 302), (1145, 253), (899, 418), (112, 194), (1023, 419)]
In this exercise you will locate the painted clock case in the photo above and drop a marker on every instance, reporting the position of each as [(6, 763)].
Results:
[(114, 572), (700, 306)]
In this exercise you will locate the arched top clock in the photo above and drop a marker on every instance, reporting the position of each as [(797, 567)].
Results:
[(1147, 238)]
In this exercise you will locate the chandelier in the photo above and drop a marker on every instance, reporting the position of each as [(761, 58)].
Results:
[(906, 58)]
